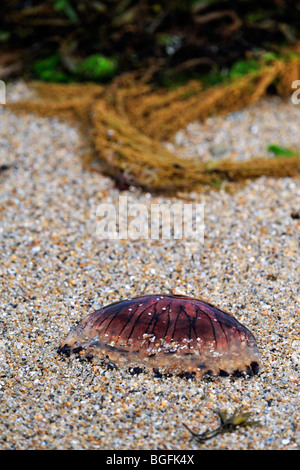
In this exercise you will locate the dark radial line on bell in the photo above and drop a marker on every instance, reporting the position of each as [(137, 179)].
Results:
[(190, 326), (139, 316), (211, 323), (193, 325), (128, 320), (113, 318), (195, 330), (109, 323), (222, 328), (178, 313), (112, 314), (155, 318), (169, 321)]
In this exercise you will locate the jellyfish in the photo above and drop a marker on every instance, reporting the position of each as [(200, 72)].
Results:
[(170, 334)]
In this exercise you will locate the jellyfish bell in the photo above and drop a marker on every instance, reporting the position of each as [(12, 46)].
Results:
[(171, 333)]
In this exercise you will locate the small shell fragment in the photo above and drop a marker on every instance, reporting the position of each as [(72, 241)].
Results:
[(183, 336)]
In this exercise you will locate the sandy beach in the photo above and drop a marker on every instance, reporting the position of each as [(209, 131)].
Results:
[(55, 270)]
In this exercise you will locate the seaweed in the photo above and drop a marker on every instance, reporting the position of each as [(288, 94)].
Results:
[(228, 423), (97, 67), (167, 39), (49, 69), (282, 151), (127, 120)]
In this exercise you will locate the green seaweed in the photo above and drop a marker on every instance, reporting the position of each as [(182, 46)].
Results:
[(282, 151), (49, 69), (243, 67), (97, 67)]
